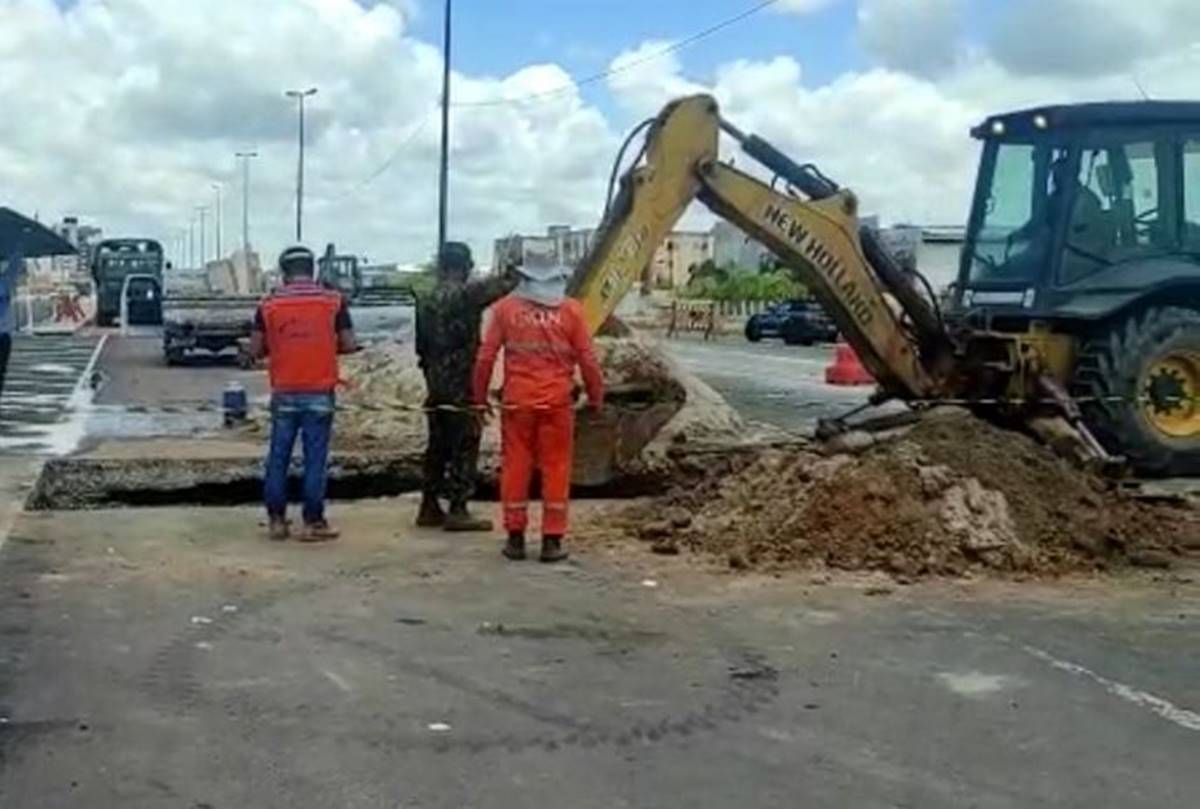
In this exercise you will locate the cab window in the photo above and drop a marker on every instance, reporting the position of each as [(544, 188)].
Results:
[(1117, 210), (1191, 195)]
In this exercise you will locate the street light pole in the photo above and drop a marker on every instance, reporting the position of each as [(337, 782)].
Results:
[(444, 168), (203, 211), (220, 223), (300, 95), (192, 243), (246, 157)]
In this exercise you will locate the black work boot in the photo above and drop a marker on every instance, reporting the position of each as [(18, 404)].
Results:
[(431, 514), (460, 520), (552, 549), (515, 547)]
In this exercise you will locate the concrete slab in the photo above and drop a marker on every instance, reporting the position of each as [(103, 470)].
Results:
[(175, 658), (18, 474)]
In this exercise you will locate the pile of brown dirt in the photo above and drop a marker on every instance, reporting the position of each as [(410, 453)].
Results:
[(953, 494)]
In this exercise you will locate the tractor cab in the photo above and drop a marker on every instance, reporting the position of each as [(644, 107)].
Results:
[(1081, 211)]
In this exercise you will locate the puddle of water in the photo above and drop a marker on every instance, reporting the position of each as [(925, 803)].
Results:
[(52, 368)]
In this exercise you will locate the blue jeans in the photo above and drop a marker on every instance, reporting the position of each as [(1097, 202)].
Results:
[(310, 415)]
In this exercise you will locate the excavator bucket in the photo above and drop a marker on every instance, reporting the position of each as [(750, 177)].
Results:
[(608, 444)]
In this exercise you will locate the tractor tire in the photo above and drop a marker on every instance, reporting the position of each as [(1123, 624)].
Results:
[(753, 332), (1138, 385)]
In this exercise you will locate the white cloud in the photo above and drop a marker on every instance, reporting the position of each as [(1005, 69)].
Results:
[(918, 36), (803, 6), (125, 112), (1086, 37)]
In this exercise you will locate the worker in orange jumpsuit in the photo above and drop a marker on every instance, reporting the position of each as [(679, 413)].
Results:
[(544, 337)]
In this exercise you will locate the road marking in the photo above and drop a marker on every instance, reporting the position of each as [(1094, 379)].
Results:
[(975, 683), (338, 680), (1189, 720)]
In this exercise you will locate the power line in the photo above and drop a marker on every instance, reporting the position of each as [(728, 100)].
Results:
[(613, 71), (379, 171)]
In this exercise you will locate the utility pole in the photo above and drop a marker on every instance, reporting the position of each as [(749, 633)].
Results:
[(444, 168), (192, 243), (246, 157), (300, 95), (220, 223), (203, 211)]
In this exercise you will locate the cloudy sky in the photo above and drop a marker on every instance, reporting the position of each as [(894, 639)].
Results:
[(125, 112)]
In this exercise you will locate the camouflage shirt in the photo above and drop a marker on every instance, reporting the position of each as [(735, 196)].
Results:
[(448, 325)]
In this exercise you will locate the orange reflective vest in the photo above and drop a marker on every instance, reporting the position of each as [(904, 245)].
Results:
[(542, 347), (300, 325)]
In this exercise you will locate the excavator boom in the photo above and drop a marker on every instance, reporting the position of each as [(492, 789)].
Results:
[(816, 234)]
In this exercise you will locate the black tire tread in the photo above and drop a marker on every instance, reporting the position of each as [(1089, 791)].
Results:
[(1106, 377)]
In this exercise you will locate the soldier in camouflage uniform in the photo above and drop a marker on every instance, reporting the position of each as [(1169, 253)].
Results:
[(448, 325)]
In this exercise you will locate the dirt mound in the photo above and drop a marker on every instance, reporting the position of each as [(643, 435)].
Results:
[(953, 494), (384, 389)]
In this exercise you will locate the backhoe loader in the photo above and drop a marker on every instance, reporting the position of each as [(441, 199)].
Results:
[(1076, 314)]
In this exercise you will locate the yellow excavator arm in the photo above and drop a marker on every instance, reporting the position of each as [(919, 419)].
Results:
[(813, 228)]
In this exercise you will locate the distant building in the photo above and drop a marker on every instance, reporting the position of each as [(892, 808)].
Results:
[(733, 248), (678, 257), (83, 238), (679, 253)]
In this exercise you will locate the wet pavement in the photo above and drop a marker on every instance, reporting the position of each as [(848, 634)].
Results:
[(770, 382), (176, 658), (43, 393)]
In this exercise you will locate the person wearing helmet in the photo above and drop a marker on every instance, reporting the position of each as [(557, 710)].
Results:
[(448, 326), (301, 328), (545, 338)]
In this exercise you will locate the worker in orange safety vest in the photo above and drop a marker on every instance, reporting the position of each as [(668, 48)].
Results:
[(544, 337)]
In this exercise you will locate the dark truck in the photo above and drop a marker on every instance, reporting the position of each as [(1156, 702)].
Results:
[(115, 260), (211, 323)]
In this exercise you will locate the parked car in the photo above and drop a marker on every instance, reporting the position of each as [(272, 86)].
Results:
[(798, 322)]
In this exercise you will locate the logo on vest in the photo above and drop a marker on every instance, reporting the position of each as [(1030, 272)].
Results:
[(539, 317)]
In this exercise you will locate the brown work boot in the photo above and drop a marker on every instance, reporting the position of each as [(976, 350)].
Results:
[(319, 531), (552, 550), (460, 520), (514, 549), (277, 529), (431, 514)]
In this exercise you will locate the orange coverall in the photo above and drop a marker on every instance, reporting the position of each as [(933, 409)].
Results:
[(542, 346)]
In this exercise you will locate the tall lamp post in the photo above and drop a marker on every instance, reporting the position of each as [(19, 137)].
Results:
[(246, 157), (192, 243), (444, 167), (300, 95), (202, 210), (220, 221)]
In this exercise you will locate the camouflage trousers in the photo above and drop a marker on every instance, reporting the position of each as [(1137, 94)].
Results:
[(451, 456)]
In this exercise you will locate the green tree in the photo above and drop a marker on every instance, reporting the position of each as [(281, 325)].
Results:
[(736, 284)]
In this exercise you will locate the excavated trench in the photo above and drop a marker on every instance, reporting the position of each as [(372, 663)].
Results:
[(74, 484)]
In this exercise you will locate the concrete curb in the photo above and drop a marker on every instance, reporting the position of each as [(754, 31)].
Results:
[(17, 479)]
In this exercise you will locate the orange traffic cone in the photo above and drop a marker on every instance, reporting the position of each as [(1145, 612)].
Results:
[(847, 368)]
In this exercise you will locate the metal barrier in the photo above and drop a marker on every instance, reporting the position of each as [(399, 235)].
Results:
[(63, 308), (693, 316)]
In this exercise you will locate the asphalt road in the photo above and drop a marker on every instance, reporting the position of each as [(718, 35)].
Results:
[(133, 372), (769, 381), (175, 658)]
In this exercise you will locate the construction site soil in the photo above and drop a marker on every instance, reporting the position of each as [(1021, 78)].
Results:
[(950, 496), (384, 390)]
